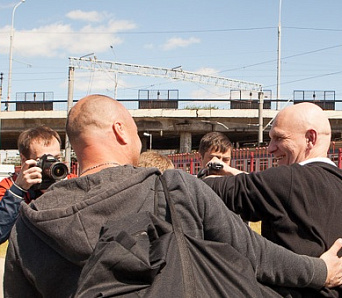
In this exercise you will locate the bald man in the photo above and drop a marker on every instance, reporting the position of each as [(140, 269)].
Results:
[(55, 235), (299, 202)]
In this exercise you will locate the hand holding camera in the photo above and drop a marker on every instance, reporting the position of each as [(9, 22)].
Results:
[(29, 174), (212, 168), (41, 173), (52, 170)]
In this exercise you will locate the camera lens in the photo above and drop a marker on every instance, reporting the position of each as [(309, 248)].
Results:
[(58, 171)]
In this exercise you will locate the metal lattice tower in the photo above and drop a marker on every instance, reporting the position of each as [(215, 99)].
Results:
[(169, 73)]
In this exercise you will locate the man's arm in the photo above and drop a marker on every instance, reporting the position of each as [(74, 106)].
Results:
[(222, 170), (11, 196), (229, 171), (12, 193), (254, 196), (9, 210), (274, 265)]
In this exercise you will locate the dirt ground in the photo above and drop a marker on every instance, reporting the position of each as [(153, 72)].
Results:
[(3, 248), (2, 261)]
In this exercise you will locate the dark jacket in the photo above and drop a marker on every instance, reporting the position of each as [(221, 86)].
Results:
[(55, 234), (300, 206), (11, 196)]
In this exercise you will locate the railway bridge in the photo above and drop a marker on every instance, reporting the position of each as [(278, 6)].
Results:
[(161, 127)]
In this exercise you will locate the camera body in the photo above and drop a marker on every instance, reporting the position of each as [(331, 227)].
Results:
[(52, 170), (209, 169), (215, 166)]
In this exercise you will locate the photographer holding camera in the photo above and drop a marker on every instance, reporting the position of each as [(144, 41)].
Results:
[(40, 150), (216, 152), (215, 149)]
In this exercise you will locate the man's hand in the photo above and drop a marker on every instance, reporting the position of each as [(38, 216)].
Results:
[(225, 171), (29, 175), (334, 265), (229, 171)]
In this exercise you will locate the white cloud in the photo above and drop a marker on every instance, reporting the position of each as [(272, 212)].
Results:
[(89, 16), (61, 40), (96, 82), (177, 42), (207, 71), (149, 46), (209, 92), (5, 6)]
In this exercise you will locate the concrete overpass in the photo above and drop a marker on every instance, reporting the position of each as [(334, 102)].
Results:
[(175, 130)]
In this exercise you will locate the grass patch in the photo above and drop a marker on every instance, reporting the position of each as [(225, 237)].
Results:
[(3, 249), (256, 226)]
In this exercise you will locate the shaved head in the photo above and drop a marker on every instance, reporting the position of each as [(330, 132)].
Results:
[(101, 129), (92, 115), (300, 132), (305, 116)]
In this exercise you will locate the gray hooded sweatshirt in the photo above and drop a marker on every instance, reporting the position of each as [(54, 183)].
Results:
[(55, 235)]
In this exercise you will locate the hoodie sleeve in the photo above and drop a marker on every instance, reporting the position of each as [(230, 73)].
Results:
[(16, 283), (274, 265)]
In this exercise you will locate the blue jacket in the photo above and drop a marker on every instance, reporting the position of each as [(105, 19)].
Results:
[(10, 204)]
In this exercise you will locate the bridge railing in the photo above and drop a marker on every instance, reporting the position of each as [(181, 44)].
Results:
[(182, 104)]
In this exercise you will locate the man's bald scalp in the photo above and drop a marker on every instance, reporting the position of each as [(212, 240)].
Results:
[(92, 114), (308, 116)]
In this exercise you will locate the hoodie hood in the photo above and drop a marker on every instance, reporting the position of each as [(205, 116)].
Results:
[(69, 216)]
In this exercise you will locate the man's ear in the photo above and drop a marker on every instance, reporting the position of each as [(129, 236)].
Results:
[(311, 137), (22, 158), (120, 132)]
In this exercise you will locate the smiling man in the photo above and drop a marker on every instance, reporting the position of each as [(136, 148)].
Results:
[(299, 133), (299, 202)]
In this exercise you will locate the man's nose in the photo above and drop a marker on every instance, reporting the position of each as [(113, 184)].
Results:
[(271, 147)]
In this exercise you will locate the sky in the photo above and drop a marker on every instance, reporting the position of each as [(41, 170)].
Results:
[(232, 39)]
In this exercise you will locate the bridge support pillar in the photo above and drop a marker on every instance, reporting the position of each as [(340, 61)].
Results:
[(144, 144), (185, 142)]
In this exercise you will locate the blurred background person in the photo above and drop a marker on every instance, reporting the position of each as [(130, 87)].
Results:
[(154, 159)]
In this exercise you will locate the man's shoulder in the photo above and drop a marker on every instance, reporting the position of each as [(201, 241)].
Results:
[(179, 175), (181, 180), (322, 166), (8, 181)]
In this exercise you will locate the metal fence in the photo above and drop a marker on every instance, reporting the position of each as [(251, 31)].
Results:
[(246, 159)]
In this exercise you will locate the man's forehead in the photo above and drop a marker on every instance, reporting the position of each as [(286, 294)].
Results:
[(38, 148), (275, 130), (53, 142), (219, 153)]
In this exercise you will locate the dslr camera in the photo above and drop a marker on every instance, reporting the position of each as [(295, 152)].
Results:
[(52, 170), (209, 169)]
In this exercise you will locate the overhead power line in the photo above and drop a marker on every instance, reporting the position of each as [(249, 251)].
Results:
[(284, 58)]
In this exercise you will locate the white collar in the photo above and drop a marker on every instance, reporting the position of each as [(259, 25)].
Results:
[(316, 159)]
